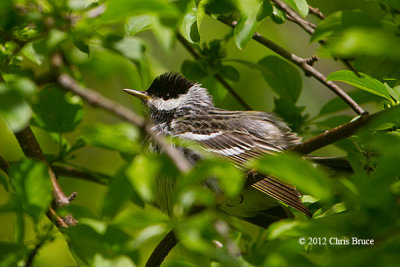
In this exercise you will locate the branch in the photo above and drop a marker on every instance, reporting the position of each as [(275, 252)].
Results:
[(197, 56), (330, 136), (302, 63), (316, 12), (29, 261), (309, 27), (343, 131), (4, 164), (76, 173), (306, 25), (31, 149), (161, 251), (96, 99)]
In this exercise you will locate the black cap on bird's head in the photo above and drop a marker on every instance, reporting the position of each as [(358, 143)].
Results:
[(167, 86), (171, 90)]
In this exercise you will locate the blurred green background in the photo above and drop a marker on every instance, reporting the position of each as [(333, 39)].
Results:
[(108, 73)]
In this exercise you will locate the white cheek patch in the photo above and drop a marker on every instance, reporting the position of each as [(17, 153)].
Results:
[(199, 137), (169, 104), (196, 95)]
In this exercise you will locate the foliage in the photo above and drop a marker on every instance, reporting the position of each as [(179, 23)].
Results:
[(105, 43)]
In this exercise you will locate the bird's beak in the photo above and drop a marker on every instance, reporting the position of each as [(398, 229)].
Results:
[(138, 94)]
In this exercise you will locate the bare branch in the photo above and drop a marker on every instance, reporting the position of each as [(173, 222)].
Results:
[(302, 63), (316, 12), (331, 136), (161, 251), (4, 164), (96, 99), (306, 25), (34, 252), (31, 149), (76, 173), (309, 27), (196, 55)]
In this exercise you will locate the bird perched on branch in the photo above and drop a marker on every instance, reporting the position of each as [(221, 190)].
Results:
[(181, 108)]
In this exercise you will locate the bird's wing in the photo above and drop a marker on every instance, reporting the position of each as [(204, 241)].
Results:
[(237, 143)]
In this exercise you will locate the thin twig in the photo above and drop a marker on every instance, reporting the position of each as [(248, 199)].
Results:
[(197, 56), (51, 214), (96, 99), (34, 252), (188, 47), (331, 136), (31, 149), (315, 11), (4, 164), (76, 173), (306, 25), (302, 63), (309, 27), (340, 132), (162, 250)]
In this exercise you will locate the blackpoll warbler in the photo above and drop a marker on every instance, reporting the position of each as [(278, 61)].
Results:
[(183, 109)]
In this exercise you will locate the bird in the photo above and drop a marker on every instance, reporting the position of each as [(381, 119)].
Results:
[(183, 109)]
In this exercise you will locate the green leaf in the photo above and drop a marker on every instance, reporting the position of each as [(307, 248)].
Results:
[(219, 6), (365, 82), (137, 219), (118, 194), (25, 86), (189, 26), (341, 20), (230, 179), (131, 47), (265, 11), (248, 23), (164, 30), (193, 70), (230, 73), (85, 242), (120, 9), (395, 4), (122, 137), (300, 6), (299, 172), (53, 40), (11, 253), (244, 31), (82, 46), (355, 42), (290, 113), (30, 181), (80, 4), (30, 53), (142, 174), (137, 24), (337, 104), (13, 108), (282, 77), (57, 111), (278, 16), (383, 121), (120, 261)]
